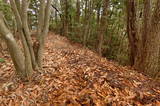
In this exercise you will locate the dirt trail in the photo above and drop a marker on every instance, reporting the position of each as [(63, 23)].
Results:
[(60, 42), (74, 76)]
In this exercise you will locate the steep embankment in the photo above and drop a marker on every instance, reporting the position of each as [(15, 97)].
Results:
[(75, 76)]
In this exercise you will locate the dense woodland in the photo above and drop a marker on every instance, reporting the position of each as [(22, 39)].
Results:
[(124, 32), (120, 30)]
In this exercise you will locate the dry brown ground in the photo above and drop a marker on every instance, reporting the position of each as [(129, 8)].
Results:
[(76, 76)]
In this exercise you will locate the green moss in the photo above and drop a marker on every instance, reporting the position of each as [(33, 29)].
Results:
[(2, 60)]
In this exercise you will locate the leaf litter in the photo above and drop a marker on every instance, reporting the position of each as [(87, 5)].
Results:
[(75, 76)]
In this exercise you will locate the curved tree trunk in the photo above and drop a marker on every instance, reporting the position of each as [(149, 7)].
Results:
[(14, 50), (20, 24)]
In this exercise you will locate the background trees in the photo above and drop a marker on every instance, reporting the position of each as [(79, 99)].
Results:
[(126, 31), (96, 25), (122, 30)]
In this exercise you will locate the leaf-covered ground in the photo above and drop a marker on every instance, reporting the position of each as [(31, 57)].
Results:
[(75, 76)]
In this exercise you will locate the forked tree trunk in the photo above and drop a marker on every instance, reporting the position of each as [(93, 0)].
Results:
[(20, 24), (25, 62)]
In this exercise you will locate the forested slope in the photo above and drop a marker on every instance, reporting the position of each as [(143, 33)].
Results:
[(75, 76)]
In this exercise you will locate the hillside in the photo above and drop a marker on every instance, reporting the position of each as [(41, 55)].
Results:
[(75, 76)]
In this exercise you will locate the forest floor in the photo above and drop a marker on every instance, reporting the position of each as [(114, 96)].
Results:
[(75, 76)]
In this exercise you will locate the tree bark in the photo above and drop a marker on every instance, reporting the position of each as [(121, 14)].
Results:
[(44, 32), (152, 44), (131, 30), (41, 18), (146, 56), (146, 26), (26, 31), (14, 50), (28, 62), (25, 62)]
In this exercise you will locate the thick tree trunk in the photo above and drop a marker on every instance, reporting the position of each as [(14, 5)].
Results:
[(146, 56), (144, 34), (152, 44), (146, 20), (131, 30), (14, 50), (44, 31), (20, 23)]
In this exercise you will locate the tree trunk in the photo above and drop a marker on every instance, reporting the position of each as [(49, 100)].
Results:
[(14, 50), (25, 62), (146, 56), (98, 14), (44, 31), (152, 44), (78, 11), (144, 34), (102, 27), (26, 32), (131, 30), (20, 23), (77, 19), (87, 21), (66, 27)]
